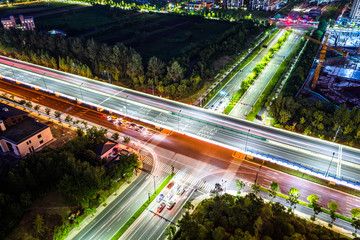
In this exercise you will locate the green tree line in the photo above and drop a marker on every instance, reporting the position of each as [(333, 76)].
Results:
[(319, 119), (74, 170)]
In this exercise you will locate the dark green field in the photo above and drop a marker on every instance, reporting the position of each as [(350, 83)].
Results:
[(161, 35)]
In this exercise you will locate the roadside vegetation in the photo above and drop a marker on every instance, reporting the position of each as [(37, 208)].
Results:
[(74, 171), (314, 118), (246, 83), (248, 217), (138, 60)]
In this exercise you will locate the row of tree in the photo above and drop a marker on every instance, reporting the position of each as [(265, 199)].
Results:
[(320, 119), (89, 58), (249, 217), (74, 170)]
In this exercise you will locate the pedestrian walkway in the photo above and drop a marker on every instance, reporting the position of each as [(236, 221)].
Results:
[(184, 178)]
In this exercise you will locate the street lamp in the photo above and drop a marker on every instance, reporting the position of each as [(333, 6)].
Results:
[(154, 183), (327, 172), (179, 120), (82, 97), (12, 69), (126, 104), (247, 136), (44, 81), (107, 73)]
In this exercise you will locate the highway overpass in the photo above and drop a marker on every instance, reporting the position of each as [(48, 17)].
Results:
[(275, 144)]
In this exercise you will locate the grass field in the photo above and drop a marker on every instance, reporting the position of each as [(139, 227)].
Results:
[(168, 35)]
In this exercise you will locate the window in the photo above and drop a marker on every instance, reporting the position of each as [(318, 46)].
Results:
[(39, 136), (32, 148), (27, 143), (29, 149), (42, 141)]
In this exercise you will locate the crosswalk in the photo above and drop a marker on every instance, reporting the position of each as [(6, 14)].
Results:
[(182, 177)]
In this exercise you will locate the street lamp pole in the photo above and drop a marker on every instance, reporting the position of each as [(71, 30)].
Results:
[(179, 120), (247, 136), (126, 104), (327, 172), (337, 131), (12, 69), (154, 184), (44, 81), (82, 97)]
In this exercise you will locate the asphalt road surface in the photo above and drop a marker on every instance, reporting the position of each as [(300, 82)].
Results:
[(222, 130), (198, 165), (244, 106), (220, 100)]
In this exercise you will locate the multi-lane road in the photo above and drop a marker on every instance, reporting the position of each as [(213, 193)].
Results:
[(220, 100), (195, 162), (222, 130), (244, 106)]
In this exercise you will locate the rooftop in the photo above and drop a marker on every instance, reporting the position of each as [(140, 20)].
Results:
[(7, 111), (103, 148), (22, 130)]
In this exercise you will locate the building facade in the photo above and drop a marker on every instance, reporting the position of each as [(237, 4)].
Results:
[(21, 134), (355, 11), (265, 5), (24, 23)]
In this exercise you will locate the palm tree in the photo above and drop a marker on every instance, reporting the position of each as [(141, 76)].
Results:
[(293, 198), (355, 215)]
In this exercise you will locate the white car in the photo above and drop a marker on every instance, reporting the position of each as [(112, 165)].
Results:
[(168, 197)]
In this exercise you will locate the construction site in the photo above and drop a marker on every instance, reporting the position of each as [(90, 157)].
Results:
[(336, 73)]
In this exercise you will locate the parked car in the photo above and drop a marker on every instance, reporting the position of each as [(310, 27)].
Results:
[(161, 207), (160, 197), (181, 191)]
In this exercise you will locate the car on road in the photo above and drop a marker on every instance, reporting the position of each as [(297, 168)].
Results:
[(169, 197), (176, 186), (181, 191), (170, 185), (160, 197), (171, 205), (161, 207)]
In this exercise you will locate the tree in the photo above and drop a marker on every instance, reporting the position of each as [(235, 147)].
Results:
[(37, 107), (274, 188), (255, 188), (284, 116), (170, 232), (188, 206), (174, 72), (135, 67), (115, 136), (293, 198), (313, 199), (217, 190), (126, 139), (22, 102), (38, 225), (57, 114), (333, 206), (355, 214), (47, 111), (68, 118), (155, 69), (240, 185), (85, 124)]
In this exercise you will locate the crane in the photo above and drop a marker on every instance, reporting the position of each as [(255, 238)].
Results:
[(322, 54)]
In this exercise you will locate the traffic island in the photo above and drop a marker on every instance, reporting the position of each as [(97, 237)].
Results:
[(142, 208)]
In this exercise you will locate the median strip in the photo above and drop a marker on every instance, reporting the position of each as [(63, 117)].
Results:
[(142, 208)]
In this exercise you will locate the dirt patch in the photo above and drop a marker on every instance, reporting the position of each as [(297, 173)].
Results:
[(219, 63), (52, 208)]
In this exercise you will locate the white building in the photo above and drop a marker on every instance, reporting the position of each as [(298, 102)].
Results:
[(355, 11)]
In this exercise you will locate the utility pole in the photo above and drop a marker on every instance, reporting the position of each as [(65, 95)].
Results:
[(44, 81), (327, 172), (82, 97), (337, 131), (247, 136), (179, 120), (126, 104)]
